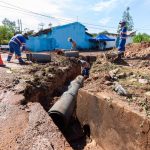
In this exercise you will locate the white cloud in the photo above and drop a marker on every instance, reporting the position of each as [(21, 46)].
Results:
[(104, 5), (105, 21), (109, 5), (61, 9), (52, 8)]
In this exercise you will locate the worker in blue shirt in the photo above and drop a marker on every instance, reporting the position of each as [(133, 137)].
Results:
[(15, 43), (122, 40), (85, 67)]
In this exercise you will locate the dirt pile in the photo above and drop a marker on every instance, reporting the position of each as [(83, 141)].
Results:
[(48, 80), (139, 50), (131, 79), (115, 100)]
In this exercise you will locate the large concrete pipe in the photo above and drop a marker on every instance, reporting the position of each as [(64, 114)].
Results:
[(62, 110), (37, 57), (71, 53), (74, 86)]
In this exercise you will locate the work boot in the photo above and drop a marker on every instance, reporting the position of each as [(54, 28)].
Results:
[(9, 58), (21, 62), (2, 65), (118, 60), (122, 55)]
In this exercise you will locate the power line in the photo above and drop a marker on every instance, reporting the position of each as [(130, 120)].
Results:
[(28, 11), (25, 10), (94, 26), (63, 20)]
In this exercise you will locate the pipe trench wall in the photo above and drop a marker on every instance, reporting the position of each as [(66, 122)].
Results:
[(49, 87), (113, 125)]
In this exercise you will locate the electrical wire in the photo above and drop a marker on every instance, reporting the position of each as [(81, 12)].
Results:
[(92, 26), (62, 19)]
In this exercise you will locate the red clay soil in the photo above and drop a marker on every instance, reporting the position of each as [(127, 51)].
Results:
[(117, 119), (25, 92), (138, 50), (132, 74)]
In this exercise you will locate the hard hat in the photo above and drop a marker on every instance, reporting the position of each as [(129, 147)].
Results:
[(70, 39), (25, 35), (122, 22)]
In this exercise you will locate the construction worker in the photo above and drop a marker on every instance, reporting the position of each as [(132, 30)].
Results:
[(74, 45), (15, 44), (122, 40), (85, 67)]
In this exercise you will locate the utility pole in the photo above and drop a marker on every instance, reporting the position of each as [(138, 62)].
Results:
[(41, 26), (20, 26)]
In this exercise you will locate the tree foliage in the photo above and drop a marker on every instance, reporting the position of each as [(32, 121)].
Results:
[(94, 34), (128, 18), (10, 24), (5, 34), (141, 38), (103, 32), (30, 32)]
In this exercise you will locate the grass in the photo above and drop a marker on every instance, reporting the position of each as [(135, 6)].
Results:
[(106, 67)]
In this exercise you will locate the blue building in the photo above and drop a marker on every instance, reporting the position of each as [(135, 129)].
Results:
[(56, 37)]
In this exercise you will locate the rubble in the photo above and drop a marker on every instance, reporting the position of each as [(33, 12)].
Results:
[(123, 117), (143, 81), (130, 80), (138, 50), (119, 89)]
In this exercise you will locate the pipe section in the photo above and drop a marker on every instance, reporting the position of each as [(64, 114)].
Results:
[(62, 110), (37, 57)]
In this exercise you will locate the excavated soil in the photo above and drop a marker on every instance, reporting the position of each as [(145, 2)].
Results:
[(27, 92), (115, 99), (24, 92), (132, 74)]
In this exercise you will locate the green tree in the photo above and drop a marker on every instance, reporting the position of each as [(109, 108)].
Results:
[(30, 32), (10, 24), (94, 34), (104, 32), (141, 37), (5, 34), (128, 18)]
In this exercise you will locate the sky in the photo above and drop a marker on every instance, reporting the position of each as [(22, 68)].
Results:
[(96, 15)]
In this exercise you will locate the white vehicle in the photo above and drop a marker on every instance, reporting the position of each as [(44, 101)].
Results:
[(4, 47)]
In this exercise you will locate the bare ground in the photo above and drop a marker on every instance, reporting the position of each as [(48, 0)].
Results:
[(26, 90), (25, 93)]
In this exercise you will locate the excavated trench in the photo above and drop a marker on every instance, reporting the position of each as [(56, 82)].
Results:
[(111, 124), (114, 121), (49, 91), (96, 122)]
